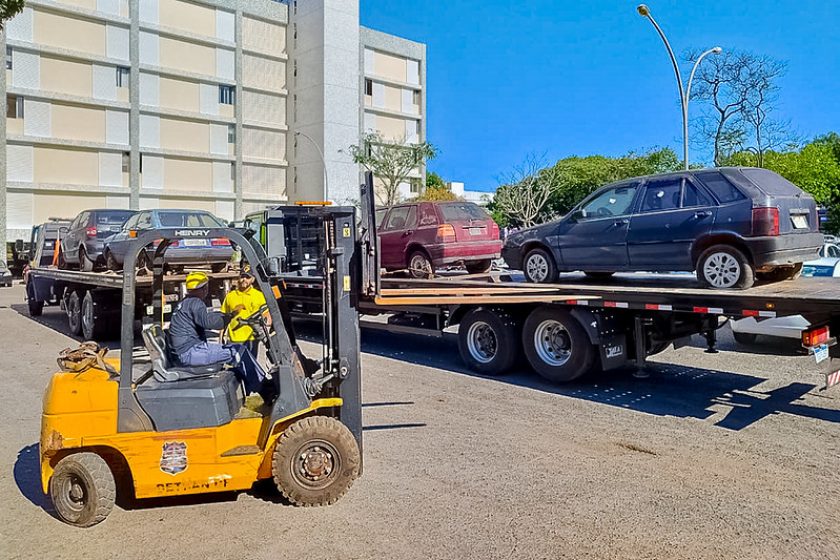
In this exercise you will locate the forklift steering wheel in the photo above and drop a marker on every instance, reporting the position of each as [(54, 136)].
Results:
[(252, 320)]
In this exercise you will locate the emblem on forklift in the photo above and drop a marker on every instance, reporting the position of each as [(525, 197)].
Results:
[(173, 459), (614, 351)]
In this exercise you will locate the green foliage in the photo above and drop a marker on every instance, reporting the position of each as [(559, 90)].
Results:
[(436, 189), (9, 9), (434, 181)]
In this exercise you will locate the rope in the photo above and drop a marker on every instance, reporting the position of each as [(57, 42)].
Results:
[(85, 357)]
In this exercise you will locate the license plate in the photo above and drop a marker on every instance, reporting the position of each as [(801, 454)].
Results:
[(821, 353), (799, 222), (195, 243), (476, 231)]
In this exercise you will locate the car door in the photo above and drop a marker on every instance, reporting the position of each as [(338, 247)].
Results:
[(119, 243), (75, 236), (672, 213), (394, 235), (594, 237)]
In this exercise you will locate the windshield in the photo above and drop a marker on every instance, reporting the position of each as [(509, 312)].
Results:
[(463, 211), (189, 219), (118, 217)]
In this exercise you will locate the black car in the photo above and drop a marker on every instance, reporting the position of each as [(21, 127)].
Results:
[(83, 242), (731, 225)]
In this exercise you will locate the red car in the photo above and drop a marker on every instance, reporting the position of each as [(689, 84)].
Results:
[(424, 236)]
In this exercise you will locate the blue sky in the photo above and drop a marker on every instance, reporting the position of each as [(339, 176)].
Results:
[(508, 78)]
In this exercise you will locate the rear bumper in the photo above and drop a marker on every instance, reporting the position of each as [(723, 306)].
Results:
[(457, 252), (178, 255), (784, 249)]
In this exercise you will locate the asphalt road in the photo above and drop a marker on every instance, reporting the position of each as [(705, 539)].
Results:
[(729, 455)]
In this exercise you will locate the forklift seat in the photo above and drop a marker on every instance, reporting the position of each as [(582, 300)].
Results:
[(155, 340)]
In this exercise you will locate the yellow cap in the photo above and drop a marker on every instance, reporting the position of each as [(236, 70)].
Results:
[(196, 280)]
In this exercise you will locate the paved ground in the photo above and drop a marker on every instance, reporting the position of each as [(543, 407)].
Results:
[(716, 456)]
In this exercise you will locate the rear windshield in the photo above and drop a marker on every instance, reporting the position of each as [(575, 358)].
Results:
[(116, 217), (189, 219), (720, 185), (454, 212), (771, 183)]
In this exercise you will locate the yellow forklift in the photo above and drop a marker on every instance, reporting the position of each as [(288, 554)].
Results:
[(150, 426)]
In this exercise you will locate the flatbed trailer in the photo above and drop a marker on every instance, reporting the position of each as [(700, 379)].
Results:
[(93, 300)]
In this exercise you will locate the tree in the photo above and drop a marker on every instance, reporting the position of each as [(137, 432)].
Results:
[(434, 181), (437, 190), (392, 162), (9, 9), (524, 196)]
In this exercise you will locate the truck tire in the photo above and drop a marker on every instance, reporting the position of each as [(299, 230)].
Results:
[(82, 489), (315, 461), (93, 326), (36, 308), (723, 267), (74, 313), (489, 341), (538, 267), (556, 345)]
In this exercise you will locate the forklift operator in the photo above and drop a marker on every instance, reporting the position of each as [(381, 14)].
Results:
[(188, 336)]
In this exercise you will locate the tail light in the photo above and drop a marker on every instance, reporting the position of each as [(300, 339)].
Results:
[(90, 231), (494, 230), (445, 233), (220, 242), (765, 221), (815, 337)]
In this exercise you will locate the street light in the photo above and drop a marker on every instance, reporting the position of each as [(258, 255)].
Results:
[(323, 162), (644, 11)]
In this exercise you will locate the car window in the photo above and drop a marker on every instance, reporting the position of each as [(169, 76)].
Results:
[(663, 194), (428, 216), (692, 196), (720, 186), (833, 251), (770, 182), (411, 221), (113, 218), (380, 215), (462, 211), (397, 218), (615, 201), (144, 221), (131, 223), (188, 219)]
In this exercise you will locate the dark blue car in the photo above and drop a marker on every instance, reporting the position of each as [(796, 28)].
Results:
[(730, 225)]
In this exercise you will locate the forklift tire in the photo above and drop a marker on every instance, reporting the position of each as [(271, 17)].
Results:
[(93, 327), (489, 341), (36, 308), (556, 345), (74, 313), (315, 461), (82, 489)]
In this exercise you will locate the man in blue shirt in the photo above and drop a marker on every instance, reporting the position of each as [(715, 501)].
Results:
[(188, 331)]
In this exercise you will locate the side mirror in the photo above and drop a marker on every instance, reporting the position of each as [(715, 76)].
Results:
[(63, 229), (578, 215)]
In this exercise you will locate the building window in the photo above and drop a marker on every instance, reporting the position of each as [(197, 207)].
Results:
[(232, 171), (122, 76), (141, 163), (415, 186), (231, 134), (14, 107), (8, 58), (126, 162), (368, 86), (227, 95), (416, 98)]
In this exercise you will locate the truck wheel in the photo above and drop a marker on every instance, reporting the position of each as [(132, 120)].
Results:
[(420, 265), (74, 313), (36, 308), (315, 461), (723, 266), (539, 267), (93, 327), (556, 345), (82, 489), (489, 341), (478, 267)]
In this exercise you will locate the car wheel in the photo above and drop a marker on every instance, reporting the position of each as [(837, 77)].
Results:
[(420, 265), (85, 264), (780, 273), (539, 267), (478, 267), (144, 262), (724, 267), (111, 262), (598, 275)]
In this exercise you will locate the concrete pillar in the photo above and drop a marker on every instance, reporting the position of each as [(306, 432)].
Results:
[(134, 111), (238, 211), (3, 151)]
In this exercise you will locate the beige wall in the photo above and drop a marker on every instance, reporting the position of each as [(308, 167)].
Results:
[(266, 144), (263, 73), (188, 203), (260, 179), (179, 94), (77, 123), (387, 66), (14, 126), (393, 98), (64, 76), (261, 36), (89, 4), (176, 134), (185, 174), (389, 127), (64, 166), (63, 205), (68, 32), (186, 56), (193, 18)]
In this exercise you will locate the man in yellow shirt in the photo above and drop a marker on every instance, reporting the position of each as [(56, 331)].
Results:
[(244, 301)]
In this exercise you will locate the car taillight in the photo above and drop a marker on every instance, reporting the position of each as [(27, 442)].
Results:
[(90, 231), (765, 221), (445, 233), (220, 242), (815, 337), (494, 230)]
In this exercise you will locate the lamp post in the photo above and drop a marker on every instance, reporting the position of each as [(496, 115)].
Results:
[(323, 162), (644, 11)]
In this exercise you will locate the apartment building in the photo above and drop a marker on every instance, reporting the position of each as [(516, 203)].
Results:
[(222, 105), (394, 88)]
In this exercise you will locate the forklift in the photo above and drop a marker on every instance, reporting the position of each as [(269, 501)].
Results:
[(158, 429)]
